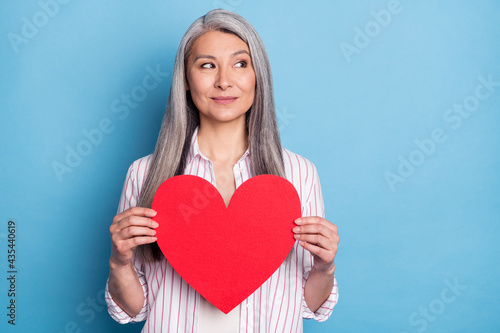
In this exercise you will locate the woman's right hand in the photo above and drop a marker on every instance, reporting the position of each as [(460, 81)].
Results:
[(130, 229)]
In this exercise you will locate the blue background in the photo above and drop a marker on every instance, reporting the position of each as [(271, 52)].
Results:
[(356, 116)]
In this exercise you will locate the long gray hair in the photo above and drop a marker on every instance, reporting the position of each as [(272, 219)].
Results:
[(182, 117)]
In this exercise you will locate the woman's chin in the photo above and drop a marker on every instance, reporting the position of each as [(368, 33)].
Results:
[(223, 118)]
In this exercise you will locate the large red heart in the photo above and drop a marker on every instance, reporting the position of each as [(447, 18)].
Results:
[(226, 253)]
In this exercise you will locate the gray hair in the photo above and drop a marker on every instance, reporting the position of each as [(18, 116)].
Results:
[(181, 116)]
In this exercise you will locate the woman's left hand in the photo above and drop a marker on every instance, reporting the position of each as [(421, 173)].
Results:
[(320, 237)]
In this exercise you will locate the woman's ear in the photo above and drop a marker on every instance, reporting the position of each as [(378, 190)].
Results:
[(186, 84)]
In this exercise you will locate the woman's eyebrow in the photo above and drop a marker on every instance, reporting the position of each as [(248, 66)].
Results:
[(206, 56), (239, 52), (203, 56)]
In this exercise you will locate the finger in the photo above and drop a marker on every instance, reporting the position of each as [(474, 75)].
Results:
[(308, 219), (131, 243), (323, 254), (136, 241), (317, 240), (134, 211), (134, 220), (316, 220), (134, 231), (315, 229)]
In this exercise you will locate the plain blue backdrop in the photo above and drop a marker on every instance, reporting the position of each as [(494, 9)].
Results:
[(397, 104)]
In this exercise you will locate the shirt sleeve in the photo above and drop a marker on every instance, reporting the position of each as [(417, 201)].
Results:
[(129, 198), (117, 313), (314, 206)]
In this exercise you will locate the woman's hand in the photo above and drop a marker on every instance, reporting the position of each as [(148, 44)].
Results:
[(130, 229), (320, 237)]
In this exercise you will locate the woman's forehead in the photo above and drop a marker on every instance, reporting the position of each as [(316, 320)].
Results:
[(217, 42)]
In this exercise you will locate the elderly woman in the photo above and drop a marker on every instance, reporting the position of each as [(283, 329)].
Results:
[(219, 124)]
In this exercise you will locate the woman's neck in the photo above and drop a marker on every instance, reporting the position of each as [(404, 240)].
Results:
[(223, 143)]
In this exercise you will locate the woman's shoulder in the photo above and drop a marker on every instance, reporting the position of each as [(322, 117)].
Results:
[(141, 162), (138, 170), (294, 161), (300, 172)]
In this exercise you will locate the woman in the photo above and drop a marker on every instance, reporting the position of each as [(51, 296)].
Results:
[(220, 124)]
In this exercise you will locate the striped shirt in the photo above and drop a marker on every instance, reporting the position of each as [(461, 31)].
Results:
[(171, 305)]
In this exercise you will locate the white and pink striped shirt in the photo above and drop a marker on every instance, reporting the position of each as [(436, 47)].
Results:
[(171, 305)]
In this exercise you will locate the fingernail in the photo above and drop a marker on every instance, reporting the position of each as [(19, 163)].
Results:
[(296, 229), (153, 213), (155, 224), (298, 221)]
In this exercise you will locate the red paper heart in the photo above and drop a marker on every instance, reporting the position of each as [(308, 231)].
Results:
[(226, 253)]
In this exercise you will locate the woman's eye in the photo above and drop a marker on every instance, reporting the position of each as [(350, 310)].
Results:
[(241, 64), (207, 65)]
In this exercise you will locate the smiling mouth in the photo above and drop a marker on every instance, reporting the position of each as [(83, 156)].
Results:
[(224, 99)]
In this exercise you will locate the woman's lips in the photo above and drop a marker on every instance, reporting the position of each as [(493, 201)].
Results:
[(224, 99)]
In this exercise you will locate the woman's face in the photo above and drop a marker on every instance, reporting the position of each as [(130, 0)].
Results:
[(220, 77)]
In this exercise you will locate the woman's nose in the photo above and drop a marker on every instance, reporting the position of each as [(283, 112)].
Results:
[(223, 80)]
